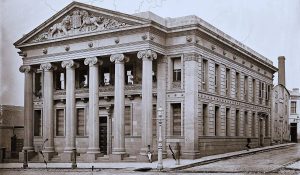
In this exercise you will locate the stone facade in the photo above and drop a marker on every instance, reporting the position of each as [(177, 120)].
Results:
[(11, 131), (280, 115), (95, 83), (294, 115)]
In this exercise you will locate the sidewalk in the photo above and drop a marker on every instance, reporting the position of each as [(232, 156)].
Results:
[(169, 164)]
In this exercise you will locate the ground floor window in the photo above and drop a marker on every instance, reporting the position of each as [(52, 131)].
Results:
[(80, 122), (176, 122), (37, 123), (60, 122)]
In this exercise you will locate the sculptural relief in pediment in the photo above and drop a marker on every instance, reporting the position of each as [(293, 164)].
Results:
[(79, 22)]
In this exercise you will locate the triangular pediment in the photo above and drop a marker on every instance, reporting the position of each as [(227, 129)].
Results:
[(78, 19)]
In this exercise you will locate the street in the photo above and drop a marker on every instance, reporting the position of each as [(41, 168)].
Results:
[(277, 161)]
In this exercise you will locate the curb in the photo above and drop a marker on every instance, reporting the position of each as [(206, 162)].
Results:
[(204, 162)]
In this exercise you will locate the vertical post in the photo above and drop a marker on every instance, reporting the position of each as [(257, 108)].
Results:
[(160, 146), (28, 107), (70, 66), (48, 111), (93, 119), (118, 150), (74, 163), (25, 162), (147, 56)]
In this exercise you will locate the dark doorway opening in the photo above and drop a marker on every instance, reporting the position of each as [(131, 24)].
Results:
[(294, 132), (103, 135)]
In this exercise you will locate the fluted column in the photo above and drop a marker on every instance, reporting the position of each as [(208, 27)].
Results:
[(70, 66), (147, 56), (48, 110), (118, 149), (93, 120), (28, 107)]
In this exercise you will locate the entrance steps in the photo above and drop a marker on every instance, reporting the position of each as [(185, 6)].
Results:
[(104, 158), (130, 159)]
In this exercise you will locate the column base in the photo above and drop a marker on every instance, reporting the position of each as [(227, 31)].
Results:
[(91, 157), (190, 155), (117, 157), (66, 156), (30, 154), (47, 156)]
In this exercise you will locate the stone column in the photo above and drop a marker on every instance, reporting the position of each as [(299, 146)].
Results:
[(191, 66), (147, 56), (48, 110), (70, 66), (118, 150), (93, 118), (162, 96), (28, 108)]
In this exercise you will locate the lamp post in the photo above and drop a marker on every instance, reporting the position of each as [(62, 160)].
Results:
[(159, 152)]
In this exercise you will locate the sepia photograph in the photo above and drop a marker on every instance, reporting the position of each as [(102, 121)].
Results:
[(149, 87)]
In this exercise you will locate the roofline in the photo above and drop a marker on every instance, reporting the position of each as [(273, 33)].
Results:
[(74, 3)]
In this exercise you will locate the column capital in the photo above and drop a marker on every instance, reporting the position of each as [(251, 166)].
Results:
[(147, 55), (26, 69), (69, 64), (48, 67), (93, 61), (119, 58)]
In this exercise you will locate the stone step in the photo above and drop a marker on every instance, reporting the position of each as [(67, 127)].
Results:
[(130, 159), (104, 158)]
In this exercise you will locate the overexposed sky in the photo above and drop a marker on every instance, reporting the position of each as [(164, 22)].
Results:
[(270, 27)]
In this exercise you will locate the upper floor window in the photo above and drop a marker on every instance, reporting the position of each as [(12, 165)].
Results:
[(268, 90), (261, 91), (217, 79), (204, 75), (253, 90), (228, 82), (246, 88), (38, 84), (293, 107), (176, 69), (237, 85)]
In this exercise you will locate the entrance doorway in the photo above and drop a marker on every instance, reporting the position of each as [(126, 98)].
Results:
[(103, 135), (261, 132), (294, 132)]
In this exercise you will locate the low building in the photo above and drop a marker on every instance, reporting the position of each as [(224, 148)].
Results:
[(11, 131), (294, 119), (95, 77)]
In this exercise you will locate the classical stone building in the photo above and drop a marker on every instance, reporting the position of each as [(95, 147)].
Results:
[(95, 77), (294, 117), (11, 132)]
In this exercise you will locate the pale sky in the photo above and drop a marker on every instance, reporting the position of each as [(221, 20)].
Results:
[(270, 27)]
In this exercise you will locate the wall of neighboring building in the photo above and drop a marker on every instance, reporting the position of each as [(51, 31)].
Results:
[(294, 118), (280, 115), (12, 124)]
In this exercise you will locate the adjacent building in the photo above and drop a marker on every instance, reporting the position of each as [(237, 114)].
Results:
[(294, 115), (11, 132), (280, 107), (95, 77)]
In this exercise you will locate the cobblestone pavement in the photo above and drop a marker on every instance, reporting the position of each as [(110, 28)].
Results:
[(271, 162)]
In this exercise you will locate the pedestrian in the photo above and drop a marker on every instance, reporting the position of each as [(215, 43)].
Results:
[(248, 144)]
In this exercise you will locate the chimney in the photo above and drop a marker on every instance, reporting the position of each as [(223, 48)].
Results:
[(281, 72)]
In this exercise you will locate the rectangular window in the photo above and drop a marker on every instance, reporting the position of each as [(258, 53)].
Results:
[(246, 87), (82, 78), (204, 75), (237, 85), (60, 122), (154, 120), (38, 84), (80, 122), (228, 82), (217, 121), (268, 94), (227, 116), (176, 69), (253, 90), (176, 111), (127, 120), (253, 124), (205, 120), (37, 123), (246, 123), (276, 107), (261, 91), (293, 107), (237, 123), (217, 79)]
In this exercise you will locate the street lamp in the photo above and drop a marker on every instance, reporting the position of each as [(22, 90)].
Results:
[(159, 152)]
